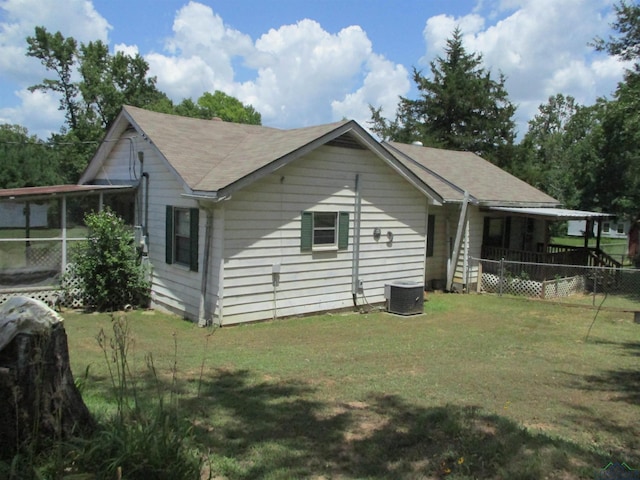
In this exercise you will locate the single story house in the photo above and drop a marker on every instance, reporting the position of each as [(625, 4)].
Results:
[(243, 223), (611, 228)]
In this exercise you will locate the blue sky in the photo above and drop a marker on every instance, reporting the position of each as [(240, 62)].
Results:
[(301, 62)]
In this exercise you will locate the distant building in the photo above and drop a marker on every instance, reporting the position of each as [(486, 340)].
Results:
[(610, 229)]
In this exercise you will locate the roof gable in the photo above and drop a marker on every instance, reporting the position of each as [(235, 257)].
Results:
[(213, 158), (450, 173)]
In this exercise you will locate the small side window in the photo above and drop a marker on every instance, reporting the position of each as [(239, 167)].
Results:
[(324, 231)]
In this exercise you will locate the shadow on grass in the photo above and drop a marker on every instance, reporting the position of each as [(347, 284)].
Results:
[(263, 429), (624, 383)]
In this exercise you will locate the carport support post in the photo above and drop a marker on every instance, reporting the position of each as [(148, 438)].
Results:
[(458, 241)]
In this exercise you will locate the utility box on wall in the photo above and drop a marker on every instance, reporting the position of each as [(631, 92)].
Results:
[(404, 298)]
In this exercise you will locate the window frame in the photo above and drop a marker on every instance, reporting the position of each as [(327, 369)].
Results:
[(309, 229), (173, 235)]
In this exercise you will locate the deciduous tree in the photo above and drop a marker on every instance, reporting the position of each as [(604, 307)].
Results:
[(26, 160)]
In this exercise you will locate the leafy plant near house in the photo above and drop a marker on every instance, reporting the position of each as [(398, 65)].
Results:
[(108, 265)]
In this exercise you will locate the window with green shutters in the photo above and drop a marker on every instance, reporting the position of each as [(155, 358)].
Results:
[(182, 236), (324, 231)]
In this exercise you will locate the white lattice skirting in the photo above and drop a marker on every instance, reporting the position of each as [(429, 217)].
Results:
[(68, 294), (562, 287)]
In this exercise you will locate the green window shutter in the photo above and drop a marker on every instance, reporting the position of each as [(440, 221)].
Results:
[(169, 235), (343, 230), (431, 234), (306, 231), (194, 230)]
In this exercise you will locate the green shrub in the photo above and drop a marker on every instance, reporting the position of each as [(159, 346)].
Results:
[(108, 264)]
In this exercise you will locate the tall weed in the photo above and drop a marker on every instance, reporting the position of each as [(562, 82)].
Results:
[(147, 437)]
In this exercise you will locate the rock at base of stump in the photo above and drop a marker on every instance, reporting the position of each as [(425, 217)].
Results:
[(38, 396)]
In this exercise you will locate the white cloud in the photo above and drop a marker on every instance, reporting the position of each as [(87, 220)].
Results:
[(297, 74), (302, 68), (130, 50), (542, 47), (182, 77), (382, 86), (38, 110), (78, 19)]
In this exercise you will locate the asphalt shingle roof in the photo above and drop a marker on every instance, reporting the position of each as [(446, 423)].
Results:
[(450, 173), (212, 154)]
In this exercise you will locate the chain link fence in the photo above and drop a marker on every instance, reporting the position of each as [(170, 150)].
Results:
[(618, 287), (35, 267)]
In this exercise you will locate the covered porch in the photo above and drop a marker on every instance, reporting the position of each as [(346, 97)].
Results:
[(543, 259), (38, 226)]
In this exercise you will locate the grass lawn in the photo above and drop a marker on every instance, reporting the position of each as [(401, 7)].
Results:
[(477, 387)]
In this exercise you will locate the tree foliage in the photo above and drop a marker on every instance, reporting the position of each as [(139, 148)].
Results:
[(626, 44), (106, 81), (94, 84), (548, 155), (460, 107), (26, 160), (228, 108), (212, 105), (588, 157)]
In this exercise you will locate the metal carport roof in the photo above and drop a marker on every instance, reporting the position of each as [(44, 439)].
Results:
[(553, 213)]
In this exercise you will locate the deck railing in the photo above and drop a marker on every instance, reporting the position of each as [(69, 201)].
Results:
[(551, 263)]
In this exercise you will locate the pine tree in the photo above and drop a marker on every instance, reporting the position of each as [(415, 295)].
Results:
[(460, 107)]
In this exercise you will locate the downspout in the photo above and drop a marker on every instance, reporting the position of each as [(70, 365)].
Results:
[(203, 319), (458, 240), (145, 175), (426, 245), (145, 228), (355, 273)]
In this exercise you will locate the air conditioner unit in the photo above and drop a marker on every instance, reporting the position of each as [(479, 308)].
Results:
[(404, 298)]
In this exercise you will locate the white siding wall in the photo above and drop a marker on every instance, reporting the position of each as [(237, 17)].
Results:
[(119, 166), (174, 287), (262, 228)]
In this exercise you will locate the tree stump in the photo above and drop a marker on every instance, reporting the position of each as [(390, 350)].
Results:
[(40, 400)]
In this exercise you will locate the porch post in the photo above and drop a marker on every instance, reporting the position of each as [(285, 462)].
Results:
[(599, 234), (588, 227)]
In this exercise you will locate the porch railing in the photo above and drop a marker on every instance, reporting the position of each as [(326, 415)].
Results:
[(555, 262)]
